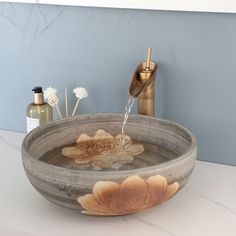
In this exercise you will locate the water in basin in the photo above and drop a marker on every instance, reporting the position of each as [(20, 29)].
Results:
[(152, 155)]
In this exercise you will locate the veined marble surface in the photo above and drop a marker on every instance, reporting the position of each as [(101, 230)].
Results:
[(206, 206)]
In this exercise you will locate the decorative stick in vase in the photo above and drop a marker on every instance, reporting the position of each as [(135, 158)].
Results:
[(50, 95), (66, 103), (80, 93)]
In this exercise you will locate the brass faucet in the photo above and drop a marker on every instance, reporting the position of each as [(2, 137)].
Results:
[(142, 86)]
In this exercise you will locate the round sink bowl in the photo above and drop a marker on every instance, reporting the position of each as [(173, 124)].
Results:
[(155, 173)]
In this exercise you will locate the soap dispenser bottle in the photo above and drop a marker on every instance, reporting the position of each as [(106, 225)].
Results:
[(38, 112)]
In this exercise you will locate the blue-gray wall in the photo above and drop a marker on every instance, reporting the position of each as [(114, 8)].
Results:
[(99, 49)]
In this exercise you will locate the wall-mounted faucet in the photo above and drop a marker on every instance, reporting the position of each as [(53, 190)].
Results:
[(142, 86)]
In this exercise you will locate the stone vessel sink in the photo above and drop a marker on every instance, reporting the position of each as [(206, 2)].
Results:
[(159, 157)]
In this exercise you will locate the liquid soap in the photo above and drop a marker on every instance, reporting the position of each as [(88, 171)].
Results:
[(38, 112)]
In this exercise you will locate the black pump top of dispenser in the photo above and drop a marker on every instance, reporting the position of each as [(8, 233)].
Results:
[(37, 89)]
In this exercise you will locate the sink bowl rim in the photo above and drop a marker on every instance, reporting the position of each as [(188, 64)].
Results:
[(25, 153)]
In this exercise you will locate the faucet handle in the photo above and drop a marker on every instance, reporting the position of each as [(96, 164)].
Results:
[(148, 61)]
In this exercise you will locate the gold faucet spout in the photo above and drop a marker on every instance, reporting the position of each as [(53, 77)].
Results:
[(142, 86), (142, 78)]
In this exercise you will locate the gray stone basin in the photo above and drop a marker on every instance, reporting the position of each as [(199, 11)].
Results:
[(141, 181)]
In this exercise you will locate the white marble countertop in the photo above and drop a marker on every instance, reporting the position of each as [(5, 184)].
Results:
[(206, 206)]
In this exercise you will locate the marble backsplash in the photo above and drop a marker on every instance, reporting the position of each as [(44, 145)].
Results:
[(31, 20)]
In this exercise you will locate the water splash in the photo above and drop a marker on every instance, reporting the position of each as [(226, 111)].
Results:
[(128, 108)]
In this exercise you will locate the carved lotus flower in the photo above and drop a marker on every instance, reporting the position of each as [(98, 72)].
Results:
[(133, 195), (101, 150)]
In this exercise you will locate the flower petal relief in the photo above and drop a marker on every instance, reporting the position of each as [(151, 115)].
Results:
[(133, 195), (100, 150)]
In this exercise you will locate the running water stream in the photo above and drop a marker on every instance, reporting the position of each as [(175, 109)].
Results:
[(128, 108)]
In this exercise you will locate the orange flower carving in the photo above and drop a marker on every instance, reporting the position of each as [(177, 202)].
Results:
[(133, 195), (100, 151)]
